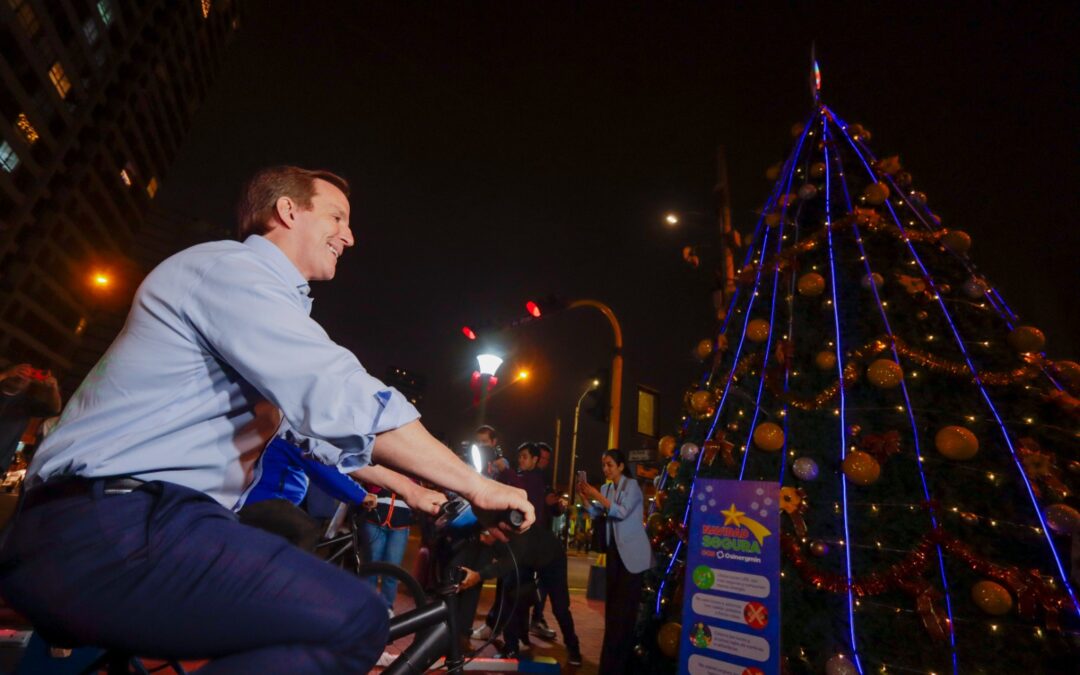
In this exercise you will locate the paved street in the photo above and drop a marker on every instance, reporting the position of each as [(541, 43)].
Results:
[(588, 617)]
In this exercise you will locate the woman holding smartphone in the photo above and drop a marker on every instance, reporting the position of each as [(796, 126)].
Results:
[(628, 556)]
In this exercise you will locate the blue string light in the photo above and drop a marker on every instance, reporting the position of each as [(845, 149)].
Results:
[(772, 312), (991, 294), (790, 168), (907, 405), (843, 423), (979, 384)]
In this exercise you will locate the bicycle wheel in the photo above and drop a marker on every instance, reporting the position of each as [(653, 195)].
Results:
[(410, 595)]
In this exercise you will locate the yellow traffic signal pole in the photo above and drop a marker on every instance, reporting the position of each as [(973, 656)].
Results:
[(616, 368)]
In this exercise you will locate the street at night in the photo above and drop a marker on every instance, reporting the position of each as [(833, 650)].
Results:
[(538, 337)]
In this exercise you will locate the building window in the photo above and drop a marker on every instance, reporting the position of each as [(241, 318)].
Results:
[(26, 16), (151, 187), (8, 159), (205, 8), (59, 79), (90, 31), (105, 11), (22, 123)]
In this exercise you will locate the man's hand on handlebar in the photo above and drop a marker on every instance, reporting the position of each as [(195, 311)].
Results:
[(491, 495)]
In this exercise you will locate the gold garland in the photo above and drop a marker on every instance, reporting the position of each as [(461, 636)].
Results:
[(868, 218), (852, 370)]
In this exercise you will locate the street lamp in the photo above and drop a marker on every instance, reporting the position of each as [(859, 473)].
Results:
[(573, 438), (489, 364)]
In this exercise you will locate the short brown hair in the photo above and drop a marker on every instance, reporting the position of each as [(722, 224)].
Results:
[(259, 197)]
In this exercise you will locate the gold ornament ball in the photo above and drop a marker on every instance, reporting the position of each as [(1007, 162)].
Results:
[(956, 442), (796, 129), (772, 219), (811, 284), (991, 597), (667, 447), (817, 170), (703, 349), (885, 374), (773, 172), (701, 401), (819, 549), (876, 193), (825, 360), (861, 468), (667, 638), (769, 436), (758, 330), (1062, 519), (654, 524), (673, 468), (957, 240), (1026, 339)]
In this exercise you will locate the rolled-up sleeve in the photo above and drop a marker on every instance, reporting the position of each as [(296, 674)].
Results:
[(257, 325)]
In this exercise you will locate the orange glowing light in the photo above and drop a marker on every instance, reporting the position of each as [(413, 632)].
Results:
[(101, 280), (523, 375)]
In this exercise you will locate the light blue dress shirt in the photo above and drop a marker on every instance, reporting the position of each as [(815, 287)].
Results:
[(218, 341)]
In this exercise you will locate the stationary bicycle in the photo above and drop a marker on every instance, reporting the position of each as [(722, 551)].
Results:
[(434, 621)]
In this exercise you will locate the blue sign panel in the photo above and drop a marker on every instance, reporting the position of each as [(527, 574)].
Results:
[(731, 602)]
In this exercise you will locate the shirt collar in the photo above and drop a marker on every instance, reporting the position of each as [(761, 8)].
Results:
[(282, 266)]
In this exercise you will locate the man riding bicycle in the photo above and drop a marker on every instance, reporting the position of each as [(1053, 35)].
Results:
[(127, 536)]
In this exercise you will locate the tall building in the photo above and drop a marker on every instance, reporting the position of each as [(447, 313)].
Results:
[(96, 97)]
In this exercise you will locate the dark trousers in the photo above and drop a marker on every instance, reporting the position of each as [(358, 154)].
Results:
[(541, 600), (552, 579), (284, 519), (165, 571), (620, 614)]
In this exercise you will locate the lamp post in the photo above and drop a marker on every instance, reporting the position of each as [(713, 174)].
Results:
[(615, 401), (573, 438), (488, 363)]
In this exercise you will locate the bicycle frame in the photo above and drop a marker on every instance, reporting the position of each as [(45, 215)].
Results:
[(435, 626)]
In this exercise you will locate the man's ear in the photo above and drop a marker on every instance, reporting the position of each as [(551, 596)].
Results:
[(285, 210)]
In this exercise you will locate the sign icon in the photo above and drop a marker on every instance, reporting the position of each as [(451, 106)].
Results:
[(756, 615)]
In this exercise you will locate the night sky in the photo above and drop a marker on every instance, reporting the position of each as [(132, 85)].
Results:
[(506, 151)]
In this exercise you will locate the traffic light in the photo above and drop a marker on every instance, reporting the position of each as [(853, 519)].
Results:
[(547, 305), (598, 400)]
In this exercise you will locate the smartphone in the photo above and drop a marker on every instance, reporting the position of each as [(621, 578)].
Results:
[(581, 477)]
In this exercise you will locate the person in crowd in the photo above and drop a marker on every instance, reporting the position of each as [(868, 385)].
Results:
[(25, 393), (387, 529), (127, 537), (628, 556), (547, 560), (555, 508)]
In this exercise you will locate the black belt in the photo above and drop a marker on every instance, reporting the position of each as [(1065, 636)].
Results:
[(74, 487)]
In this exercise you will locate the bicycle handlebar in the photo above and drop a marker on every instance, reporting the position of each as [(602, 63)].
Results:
[(457, 518)]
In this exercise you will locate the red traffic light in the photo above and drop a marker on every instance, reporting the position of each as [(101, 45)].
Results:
[(468, 332), (532, 308)]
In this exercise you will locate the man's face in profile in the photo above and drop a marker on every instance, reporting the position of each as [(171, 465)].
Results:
[(325, 232), (545, 460), (526, 461)]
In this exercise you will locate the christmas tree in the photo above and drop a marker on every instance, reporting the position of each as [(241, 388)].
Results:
[(925, 446)]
